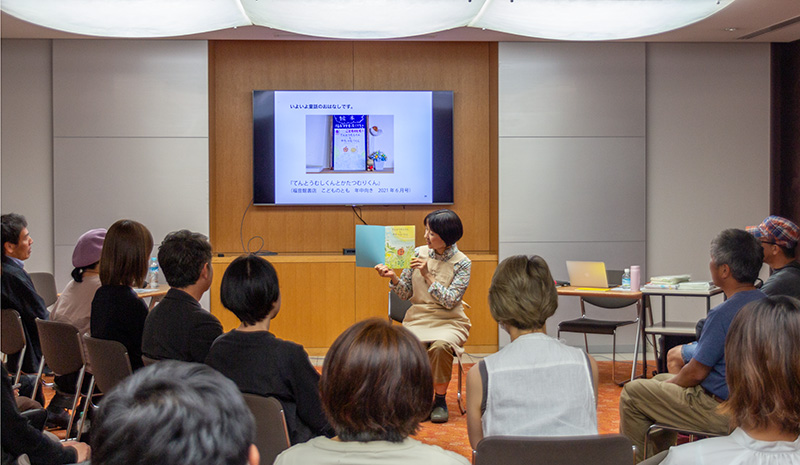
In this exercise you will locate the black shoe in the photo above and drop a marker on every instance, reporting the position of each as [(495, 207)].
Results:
[(57, 420)]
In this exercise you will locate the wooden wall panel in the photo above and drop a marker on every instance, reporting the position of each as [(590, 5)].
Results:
[(239, 67), (323, 292)]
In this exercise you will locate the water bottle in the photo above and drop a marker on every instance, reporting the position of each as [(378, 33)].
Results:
[(626, 279), (152, 273)]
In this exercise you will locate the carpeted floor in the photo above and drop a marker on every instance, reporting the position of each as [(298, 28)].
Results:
[(453, 434)]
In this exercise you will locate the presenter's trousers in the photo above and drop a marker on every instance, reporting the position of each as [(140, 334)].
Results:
[(647, 401), (441, 356)]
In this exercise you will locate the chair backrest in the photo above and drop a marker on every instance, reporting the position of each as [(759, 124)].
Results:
[(61, 346), (614, 279), (108, 361), (12, 339), (397, 307), (13, 336), (45, 285), (607, 449), (272, 436)]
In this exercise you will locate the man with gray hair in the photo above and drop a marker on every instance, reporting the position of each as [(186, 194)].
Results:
[(689, 399), (175, 413)]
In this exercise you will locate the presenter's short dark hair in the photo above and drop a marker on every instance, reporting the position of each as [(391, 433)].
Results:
[(446, 224), (522, 293), (173, 412), (762, 350), (376, 383), (741, 252), (249, 288), (12, 226), (126, 251), (181, 257)]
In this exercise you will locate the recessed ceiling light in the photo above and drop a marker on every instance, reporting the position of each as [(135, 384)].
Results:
[(731, 29)]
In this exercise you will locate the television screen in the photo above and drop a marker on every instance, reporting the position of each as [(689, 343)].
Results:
[(352, 147)]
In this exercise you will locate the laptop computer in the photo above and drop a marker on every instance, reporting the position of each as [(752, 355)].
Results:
[(587, 274)]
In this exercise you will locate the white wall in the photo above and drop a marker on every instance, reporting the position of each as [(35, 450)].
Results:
[(708, 152), (572, 162), (26, 154), (130, 138), (98, 130)]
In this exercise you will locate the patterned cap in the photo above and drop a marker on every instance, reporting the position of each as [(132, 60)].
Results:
[(778, 230)]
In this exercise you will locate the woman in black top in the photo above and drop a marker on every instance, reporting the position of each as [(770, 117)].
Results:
[(118, 313), (257, 361)]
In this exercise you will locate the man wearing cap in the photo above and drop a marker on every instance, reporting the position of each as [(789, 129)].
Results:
[(18, 292), (779, 238), (74, 306), (178, 328)]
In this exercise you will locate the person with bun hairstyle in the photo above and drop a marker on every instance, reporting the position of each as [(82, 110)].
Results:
[(536, 385), (376, 384), (435, 284), (257, 361), (74, 306), (118, 314)]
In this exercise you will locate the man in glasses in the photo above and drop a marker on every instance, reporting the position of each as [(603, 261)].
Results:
[(779, 238)]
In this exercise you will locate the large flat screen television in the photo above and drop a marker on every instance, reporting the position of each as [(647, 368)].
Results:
[(352, 147)]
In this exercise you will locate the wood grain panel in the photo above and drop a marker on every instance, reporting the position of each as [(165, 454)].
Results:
[(464, 68), (239, 67)]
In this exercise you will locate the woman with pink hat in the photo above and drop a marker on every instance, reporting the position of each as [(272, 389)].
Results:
[(74, 306)]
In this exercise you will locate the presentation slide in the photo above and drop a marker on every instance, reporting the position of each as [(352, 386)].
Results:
[(351, 147)]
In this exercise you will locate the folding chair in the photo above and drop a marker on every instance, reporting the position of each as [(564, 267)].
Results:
[(12, 340), (606, 449), (62, 348), (272, 435)]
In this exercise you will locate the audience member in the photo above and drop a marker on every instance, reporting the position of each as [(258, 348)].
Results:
[(779, 237), (376, 385), (535, 372), (178, 328), (690, 398), (18, 292), (74, 306), (19, 437), (435, 284), (257, 361), (763, 373), (118, 313), (174, 413)]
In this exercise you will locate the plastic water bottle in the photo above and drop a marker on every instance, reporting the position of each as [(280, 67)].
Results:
[(626, 279), (152, 273)]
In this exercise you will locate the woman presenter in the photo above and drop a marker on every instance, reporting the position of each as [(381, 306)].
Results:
[(435, 284)]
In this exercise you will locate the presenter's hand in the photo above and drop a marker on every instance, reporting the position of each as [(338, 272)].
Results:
[(420, 264), (386, 272)]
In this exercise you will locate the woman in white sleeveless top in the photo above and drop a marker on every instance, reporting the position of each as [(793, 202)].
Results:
[(435, 284), (536, 385)]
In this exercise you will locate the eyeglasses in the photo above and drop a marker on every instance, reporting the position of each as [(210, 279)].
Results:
[(768, 242)]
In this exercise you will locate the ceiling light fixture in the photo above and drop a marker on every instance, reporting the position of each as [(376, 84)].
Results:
[(367, 19)]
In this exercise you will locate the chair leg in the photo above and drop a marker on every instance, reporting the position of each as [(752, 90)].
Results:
[(38, 378), (75, 399), (460, 376), (86, 407), (586, 342)]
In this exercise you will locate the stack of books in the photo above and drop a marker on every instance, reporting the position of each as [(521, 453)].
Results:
[(666, 282)]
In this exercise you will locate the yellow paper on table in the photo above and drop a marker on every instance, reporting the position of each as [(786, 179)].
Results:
[(399, 246)]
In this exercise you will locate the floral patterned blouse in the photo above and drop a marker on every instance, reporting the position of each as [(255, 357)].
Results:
[(447, 296)]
